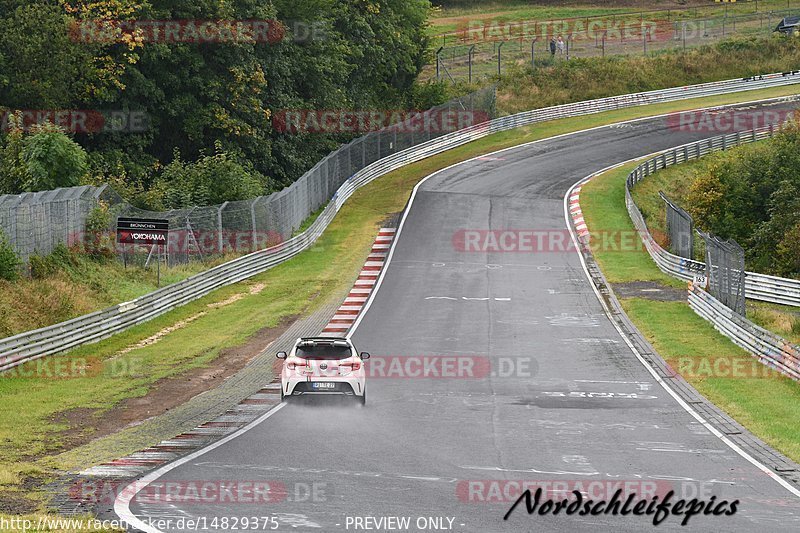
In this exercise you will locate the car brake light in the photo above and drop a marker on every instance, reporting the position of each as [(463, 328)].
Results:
[(294, 364), (355, 365)]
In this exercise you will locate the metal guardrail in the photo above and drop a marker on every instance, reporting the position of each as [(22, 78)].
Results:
[(757, 286), (771, 350), (102, 324)]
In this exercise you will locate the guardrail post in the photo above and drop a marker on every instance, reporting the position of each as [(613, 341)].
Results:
[(219, 226)]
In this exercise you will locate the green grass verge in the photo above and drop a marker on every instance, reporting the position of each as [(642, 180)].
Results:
[(600, 205), (765, 403), (30, 425)]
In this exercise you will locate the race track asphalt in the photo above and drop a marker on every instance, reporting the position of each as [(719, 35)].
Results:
[(565, 401)]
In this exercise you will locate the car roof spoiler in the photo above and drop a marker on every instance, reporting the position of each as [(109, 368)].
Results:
[(332, 340)]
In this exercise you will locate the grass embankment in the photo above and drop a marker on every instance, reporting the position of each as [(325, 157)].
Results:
[(588, 78), (674, 181), (453, 18), (77, 285), (765, 403), (32, 424)]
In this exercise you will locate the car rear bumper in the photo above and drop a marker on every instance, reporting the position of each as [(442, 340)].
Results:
[(341, 387)]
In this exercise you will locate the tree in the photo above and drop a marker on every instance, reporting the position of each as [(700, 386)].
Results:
[(52, 160)]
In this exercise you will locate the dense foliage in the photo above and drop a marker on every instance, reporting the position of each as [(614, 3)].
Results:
[(752, 194), (203, 97)]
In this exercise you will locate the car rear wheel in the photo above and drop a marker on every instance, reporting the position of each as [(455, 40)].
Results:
[(363, 398)]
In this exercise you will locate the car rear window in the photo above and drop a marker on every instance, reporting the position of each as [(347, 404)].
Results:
[(323, 351)]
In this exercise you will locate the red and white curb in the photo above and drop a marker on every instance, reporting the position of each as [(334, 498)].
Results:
[(265, 399), (347, 314), (577, 215)]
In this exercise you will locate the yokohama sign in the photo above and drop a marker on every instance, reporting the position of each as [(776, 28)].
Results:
[(142, 231)]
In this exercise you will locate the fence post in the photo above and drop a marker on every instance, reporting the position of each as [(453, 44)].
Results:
[(438, 61), (499, 55), (219, 226), (469, 59), (253, 223), (684, 36)]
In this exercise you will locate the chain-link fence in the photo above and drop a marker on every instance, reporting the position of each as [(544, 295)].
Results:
[(36, 222), (680, 229), (725, 272), (490, 49)]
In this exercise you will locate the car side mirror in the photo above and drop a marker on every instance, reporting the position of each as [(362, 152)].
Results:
[(281, 355), (364, 356)]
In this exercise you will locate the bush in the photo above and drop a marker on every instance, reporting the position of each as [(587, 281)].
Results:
[(752, 194), (98, 242), (210, 180), (61, 259), (9, 260), (41, 160)]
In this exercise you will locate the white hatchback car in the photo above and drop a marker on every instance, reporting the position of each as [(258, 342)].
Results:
[(323, 366)]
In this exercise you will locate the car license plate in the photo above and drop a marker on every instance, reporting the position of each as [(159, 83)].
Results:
[(322, 385)]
